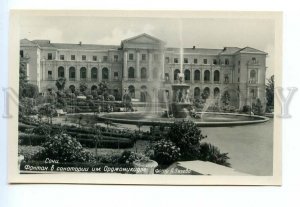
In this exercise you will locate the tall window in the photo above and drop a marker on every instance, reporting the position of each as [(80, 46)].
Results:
[(83, 73), (61, 72), (187, 75), (252, 76), (116, 75), (197, 75), (94, 58), (116, 57), (131, 72), (72, 74), (143, 73), (226, 61), (197, 93), (83, 57), (21, 53), (186, 60), (94, 74), (207, 76), (205, 61), (130, 56), (49, 56), (216, 76), (195, 61), (143, 57), (167, 59), (49, 75), (176, 72), (72, 57), (105, 58), (175, 60), (61, 57), (215, 62), (105, 73)]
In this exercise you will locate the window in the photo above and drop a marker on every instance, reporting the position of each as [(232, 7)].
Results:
[(226, 78), (105, 58), (61, 72), (72, 57), (185, 60), (197, 93), (116, 75), (61, 57), (206, 76), (175, 60), (49, 56), (239, 62), (105, 73), (226, 61), (205, 61), (239, 70), (72, 74), (131, 72), (167, 78), (252, 76), (167, 59), (130, 56), (94, 74), (143, 57), (195, 61), (21, 53), (238, 79), (215, 62), (49, 75), (197, 75), (216, 76), (143, 73), (94, 58), (187, 75), (83, 57), (116, 57), (83, 73), (254, 59), (176, 72)]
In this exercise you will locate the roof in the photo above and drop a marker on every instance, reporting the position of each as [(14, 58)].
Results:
[(198, 51), (251, 50), (229, 50), (142, 35), (26, 42)]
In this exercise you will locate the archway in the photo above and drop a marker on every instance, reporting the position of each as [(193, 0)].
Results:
[(197, 75), (94, 74), (61, 72), (105, 74)]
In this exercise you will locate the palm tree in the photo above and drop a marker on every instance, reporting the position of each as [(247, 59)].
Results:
[(60, 83)]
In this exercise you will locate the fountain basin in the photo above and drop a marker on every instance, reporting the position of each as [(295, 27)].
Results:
[(209, 119)]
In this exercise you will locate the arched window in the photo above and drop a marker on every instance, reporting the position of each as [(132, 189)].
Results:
[(104, 73), (83, 73), (143, 73), (131, 91), (206, 93), (216, 76), (216, 92), (94, 74), (197, 93), (131, 72), (187, 75), (207, 76), (72, 88), (197, 75), (176, 74), (72, 73), (61, 72), (94, 87)]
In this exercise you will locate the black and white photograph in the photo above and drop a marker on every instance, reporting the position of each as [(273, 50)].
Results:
[(165, 98)]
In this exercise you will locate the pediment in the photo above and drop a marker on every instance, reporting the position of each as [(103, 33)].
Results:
[(143, 39)]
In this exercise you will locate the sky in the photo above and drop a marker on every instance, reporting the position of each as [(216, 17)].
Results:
[(176, 32)]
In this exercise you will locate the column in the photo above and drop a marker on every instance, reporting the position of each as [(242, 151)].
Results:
[(125, 67), (138, 70), (211, 76), (88, 73), (192, 75), (66, 72), (77, 70), (99, 73), (55, 75), (150, 66), (163, 65)]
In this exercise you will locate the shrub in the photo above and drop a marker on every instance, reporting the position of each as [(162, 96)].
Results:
[(64, 148), (257, 107), (211, 153), (128, 157), (164, 152), (187, 136)]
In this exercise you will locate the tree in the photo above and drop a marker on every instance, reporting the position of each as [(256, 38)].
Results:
[(60, 83), (187, 136), (225, 98), (270, 93), (257, 107), (102, 88), (83, 87), (47, 110)]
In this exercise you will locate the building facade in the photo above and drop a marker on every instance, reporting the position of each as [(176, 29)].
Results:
[(144, 67)]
